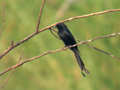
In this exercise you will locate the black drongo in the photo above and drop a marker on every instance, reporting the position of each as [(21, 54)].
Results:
[(68, 39)]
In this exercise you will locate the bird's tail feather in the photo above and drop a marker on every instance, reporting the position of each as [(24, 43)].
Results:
[(80, 62)]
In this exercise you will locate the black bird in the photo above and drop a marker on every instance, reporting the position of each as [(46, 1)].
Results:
[(68, 39)]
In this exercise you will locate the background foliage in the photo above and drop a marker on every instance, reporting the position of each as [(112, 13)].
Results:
[(59, 71)]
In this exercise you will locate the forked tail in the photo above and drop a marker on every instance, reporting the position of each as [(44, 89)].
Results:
[(80, 62)]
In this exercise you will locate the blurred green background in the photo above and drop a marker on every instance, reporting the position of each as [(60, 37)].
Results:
[(59, 71)]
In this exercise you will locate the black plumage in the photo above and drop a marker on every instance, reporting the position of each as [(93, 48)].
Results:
[(68, 39)]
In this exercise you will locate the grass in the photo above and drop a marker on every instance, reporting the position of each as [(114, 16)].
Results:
[(59, 71)]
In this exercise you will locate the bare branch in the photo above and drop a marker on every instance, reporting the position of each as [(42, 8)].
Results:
[(40, 14), (58, 50), (43, 29), (104, 52), (4, 83)]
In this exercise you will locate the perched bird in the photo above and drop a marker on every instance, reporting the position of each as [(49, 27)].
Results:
[(68, 39)]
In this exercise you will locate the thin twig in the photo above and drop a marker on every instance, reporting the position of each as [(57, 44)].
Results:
[(43, 29), (104, 52), (53, 30), (40, 15), (4, 83), (58, 50)]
